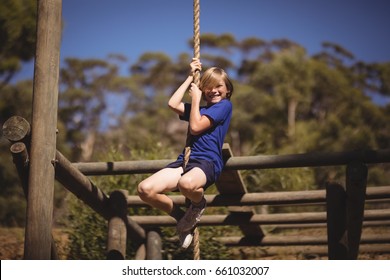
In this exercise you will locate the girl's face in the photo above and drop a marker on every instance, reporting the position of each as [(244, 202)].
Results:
[(217, 93)]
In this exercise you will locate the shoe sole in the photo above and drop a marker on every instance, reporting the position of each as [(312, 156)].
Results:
[(187, 241)]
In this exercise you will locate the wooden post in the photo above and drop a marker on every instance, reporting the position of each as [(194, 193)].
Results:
[(116, 245), (336, 221), (43, 138), (141, 252), (356, 182), (153, 246), (21, 161)]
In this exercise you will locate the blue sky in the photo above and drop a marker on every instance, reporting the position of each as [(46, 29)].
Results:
[(131, 27)]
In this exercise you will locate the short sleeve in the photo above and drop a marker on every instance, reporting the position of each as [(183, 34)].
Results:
[(220, 111), (187, 111)]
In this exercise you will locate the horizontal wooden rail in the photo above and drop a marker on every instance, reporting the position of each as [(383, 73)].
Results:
[(311, 251), (314, 159), (379, 223), (238, 218), (121, 167), (273, 198), (286, 240), (244, 162)]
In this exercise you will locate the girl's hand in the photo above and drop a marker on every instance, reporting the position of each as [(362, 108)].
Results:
[(195, 92), (195, 65)]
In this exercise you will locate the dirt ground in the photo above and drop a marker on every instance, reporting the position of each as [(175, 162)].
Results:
[(12, 243)]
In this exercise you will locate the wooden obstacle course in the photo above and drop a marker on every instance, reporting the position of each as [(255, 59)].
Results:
[(142, 229)]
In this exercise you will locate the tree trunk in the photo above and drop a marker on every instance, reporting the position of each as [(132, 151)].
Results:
[(292, 108)]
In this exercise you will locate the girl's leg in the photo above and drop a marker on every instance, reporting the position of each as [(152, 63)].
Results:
[(152, 189), (191, 184)]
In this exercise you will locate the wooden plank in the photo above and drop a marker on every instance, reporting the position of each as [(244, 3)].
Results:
[(231, 182)]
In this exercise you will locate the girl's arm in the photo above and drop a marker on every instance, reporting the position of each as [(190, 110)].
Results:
[(175, 102), (198, 123)]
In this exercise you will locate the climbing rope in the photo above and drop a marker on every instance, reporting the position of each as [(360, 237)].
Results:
[(196, 38), (196, 244), (187, 150)]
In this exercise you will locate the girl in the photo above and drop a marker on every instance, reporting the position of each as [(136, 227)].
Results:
[(208, 126)]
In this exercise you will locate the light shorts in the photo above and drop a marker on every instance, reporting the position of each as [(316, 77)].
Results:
[(206, 166)]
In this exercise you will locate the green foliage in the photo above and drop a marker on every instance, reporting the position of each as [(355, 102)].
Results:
[(17, 36), (12, 210), (87, 233)]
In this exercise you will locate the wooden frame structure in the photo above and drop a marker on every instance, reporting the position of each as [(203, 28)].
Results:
[(39, 163), (344, 216)]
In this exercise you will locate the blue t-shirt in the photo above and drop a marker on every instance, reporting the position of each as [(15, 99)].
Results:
[(208, 145)]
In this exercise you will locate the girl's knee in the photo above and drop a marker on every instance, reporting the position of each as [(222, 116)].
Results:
[(145, 189), (186, 184)]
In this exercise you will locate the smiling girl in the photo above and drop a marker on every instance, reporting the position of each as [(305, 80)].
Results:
[(208, 126)]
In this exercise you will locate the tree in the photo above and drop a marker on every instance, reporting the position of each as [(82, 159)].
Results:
[(288, 79), (84, 85), (17, 36)]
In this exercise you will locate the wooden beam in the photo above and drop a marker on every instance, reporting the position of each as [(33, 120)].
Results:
[(81, 186), (263, 219), (286, 240), (43, 137), (243, 162), (313, 159), (274, 198)]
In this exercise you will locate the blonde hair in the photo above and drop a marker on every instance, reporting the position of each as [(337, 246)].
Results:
[(211, 77)]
